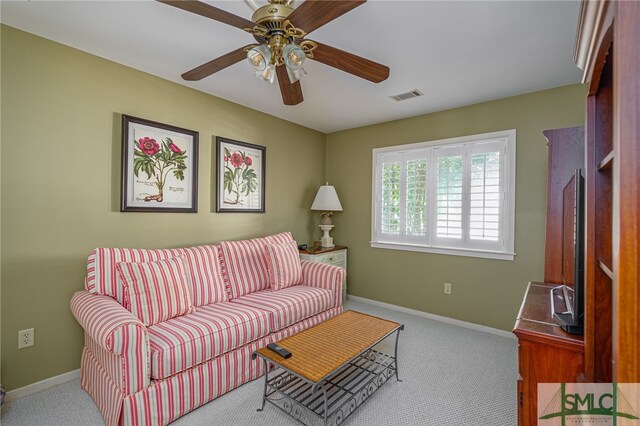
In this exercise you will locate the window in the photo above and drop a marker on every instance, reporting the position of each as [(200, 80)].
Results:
[(454, 196)]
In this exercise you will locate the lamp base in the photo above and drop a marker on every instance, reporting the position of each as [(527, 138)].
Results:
[(326, 241)]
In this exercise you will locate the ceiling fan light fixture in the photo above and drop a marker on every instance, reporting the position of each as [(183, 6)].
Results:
[(268, 74), (282, 43), (259, 57), (294, 56), (295, 75)]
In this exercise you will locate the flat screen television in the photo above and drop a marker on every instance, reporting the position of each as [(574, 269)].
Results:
[(571, 293)]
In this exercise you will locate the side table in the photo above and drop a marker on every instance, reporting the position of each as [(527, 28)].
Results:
[(336, 256)]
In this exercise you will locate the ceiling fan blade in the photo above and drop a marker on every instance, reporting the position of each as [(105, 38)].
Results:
[(312, 14), (208, 11), (348, 62), (291, 92), (205, 70)]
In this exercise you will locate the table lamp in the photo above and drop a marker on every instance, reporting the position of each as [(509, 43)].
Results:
[(326, 201)]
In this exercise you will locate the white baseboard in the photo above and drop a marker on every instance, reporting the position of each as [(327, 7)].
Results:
[(43, 384), (427, 315)]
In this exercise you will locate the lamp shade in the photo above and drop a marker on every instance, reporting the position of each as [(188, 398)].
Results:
[(268, 74), (259, 57), (295, 75), (327, 199), (294, 56)]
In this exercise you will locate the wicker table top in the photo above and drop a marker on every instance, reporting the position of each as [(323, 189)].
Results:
[(322, 349)]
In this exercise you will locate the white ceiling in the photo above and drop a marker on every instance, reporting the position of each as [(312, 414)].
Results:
[(457, 53)]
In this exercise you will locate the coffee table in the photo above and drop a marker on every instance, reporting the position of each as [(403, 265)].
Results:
[(335, 366)]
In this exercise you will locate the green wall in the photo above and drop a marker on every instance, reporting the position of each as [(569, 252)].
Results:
[(486, 292), (60, 192), (61, 112)]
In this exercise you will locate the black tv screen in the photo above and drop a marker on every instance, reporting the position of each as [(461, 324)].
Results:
[(572, 319)]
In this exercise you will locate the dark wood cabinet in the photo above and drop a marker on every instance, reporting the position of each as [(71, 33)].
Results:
[(546, 354), (566, 154), (607, 50)]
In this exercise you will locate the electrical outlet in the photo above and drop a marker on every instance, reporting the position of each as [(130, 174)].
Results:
[(447, 288), (26, 338)]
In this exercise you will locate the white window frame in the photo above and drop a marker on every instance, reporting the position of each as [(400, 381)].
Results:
[(503, 250)]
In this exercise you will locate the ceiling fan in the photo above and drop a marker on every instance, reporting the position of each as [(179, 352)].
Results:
[(282, 47)]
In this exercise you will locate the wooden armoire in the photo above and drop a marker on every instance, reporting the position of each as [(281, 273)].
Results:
[(608, 50)]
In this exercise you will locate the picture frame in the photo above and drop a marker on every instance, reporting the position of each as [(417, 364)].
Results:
[(240, 176), (159, 167)]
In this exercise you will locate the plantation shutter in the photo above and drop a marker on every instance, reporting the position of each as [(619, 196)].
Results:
[(449, 164), (416, 165), (487, 193), (456, 197), (402, 197), (390, 178)]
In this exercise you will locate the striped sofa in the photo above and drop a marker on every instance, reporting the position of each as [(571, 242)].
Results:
[(152, 374)]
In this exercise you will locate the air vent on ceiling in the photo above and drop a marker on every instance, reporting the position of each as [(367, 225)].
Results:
[(408, 95)]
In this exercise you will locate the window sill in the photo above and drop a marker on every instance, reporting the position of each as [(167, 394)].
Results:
[(486, 254)]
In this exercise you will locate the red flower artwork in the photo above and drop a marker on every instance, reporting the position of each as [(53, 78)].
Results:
[(158, 161), (175, 148), (236, 159), (240, 180), (148, 146)]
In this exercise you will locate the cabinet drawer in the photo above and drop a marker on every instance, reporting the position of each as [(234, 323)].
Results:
[(333, 258), (337, 258)]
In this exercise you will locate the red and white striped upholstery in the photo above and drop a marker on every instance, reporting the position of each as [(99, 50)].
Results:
[(243, 264), (289, 305), (322, 275), (281, 238), (100, 385), (200, 355), (183, 342), (157, 291), (203, 270), (119, 334), (283, 265), (102, 277), (166, 400)]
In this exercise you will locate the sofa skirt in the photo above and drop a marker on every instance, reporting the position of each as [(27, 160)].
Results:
[(163, 401)]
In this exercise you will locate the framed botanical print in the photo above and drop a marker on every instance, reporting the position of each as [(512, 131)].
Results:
[(240, 176), (159, 167)]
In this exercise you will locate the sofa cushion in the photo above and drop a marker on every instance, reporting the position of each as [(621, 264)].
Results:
[(289, 305), (283, 265), (243, 264), (280, 238), (157, 291), (102, 277), (203, 269), (183, 342)]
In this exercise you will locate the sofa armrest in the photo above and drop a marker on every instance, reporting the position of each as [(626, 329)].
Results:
[(117, 332), (315, 274)]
